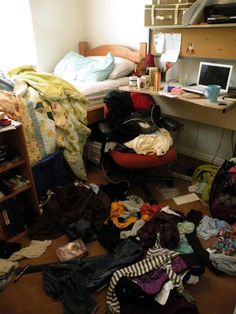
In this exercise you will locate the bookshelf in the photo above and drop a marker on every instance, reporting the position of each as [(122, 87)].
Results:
[(21, 200)]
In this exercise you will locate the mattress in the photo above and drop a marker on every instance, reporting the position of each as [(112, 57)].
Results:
[(96, 91)]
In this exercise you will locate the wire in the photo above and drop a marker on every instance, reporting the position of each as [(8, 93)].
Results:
[(233, 145), (196, 140), (110, 180), (152, 114), (222, 136)]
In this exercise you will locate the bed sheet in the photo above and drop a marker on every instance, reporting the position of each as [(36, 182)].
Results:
[(96, 91)]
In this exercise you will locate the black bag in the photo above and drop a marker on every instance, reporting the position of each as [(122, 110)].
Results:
[(222, 200), (220, 13)]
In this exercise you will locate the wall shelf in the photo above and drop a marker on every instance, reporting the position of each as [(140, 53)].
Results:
[(202, 26), (208, 41)]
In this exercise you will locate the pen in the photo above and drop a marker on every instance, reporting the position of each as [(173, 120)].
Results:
[(21, 273)]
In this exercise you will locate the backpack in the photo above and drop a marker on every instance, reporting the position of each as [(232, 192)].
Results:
[(222, 200)]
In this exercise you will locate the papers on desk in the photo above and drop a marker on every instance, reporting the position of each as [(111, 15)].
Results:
[(168, 46), (184, 199), (167, 94)]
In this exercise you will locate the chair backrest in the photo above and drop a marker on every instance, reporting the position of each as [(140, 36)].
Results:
[(142, 102), (126, 110), (119, 107)]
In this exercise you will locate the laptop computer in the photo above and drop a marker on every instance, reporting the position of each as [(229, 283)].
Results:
[(211, 73)]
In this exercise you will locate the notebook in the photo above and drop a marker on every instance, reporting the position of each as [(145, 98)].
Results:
[(211, 73)]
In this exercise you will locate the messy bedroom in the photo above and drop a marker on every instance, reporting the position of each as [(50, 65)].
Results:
[(117, 133)]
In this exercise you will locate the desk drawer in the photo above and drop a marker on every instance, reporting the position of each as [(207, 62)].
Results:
[(168, 14)]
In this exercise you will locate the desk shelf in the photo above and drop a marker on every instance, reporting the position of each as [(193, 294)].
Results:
[(223, 25), (188, 97), (196, 110), (209, 41)]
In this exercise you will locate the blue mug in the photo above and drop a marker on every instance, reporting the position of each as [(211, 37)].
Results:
[(212, 92)]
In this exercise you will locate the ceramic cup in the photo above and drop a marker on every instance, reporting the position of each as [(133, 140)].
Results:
[(143, 82), (212, 92), (133, 81)]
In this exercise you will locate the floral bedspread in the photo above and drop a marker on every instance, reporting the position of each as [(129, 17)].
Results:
[(53, 115)]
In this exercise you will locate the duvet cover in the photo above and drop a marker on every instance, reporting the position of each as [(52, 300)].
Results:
[(53, 114)]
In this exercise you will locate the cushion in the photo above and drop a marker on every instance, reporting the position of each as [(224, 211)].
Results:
[(122, 67), (77, 67), (142, 101)]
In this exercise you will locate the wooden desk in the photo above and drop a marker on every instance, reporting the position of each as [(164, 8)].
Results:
[(193, 107)]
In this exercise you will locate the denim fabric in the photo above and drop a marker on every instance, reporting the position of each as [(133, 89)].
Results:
[(68, 285), (100, 268), (71, 282)]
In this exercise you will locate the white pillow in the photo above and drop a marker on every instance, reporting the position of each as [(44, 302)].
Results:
[(77, 67), (122, 67)]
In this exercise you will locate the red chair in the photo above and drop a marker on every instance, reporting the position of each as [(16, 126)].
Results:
[(134, 166)]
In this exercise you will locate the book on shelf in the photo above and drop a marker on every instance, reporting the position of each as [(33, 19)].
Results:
[(18, 210), (12, 217), (4, 232), (7, 221), (72, 250)]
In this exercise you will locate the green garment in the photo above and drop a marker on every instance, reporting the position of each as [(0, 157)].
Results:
[(205, 174)]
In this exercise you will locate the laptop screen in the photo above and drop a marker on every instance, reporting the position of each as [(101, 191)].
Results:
[(213, 73)]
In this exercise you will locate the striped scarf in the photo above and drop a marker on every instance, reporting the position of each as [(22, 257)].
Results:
[(155, 257)]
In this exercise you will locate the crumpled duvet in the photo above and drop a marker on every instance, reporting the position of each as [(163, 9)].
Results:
[(157, 143), (60, 102)]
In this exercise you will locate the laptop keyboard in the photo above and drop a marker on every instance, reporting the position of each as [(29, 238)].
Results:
[(194, 89)]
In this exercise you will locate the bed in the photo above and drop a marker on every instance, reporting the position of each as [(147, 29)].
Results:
[(95, 91), (56, 109)]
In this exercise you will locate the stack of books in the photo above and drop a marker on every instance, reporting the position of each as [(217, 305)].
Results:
[(10, 184)]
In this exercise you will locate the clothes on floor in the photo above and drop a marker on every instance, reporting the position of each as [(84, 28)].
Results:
[(35, 249), (156, 257), (7, 269)]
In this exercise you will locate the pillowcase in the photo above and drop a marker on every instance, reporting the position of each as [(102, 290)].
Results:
[(122, 67), (77, 67)]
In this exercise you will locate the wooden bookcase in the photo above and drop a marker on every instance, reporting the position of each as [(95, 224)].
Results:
[(14, 138)]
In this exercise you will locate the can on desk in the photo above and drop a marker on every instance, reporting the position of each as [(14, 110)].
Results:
[(157, 81)]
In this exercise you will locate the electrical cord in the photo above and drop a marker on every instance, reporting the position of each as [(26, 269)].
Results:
[(196, 140), (110, 180), (222, 136), (151, 116), (233, 144)]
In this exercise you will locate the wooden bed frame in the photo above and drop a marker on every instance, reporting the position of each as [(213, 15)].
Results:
[(96, 113)]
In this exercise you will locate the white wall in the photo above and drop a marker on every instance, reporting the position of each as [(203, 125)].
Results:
[(115, 22), (58, 27), (17, 38)]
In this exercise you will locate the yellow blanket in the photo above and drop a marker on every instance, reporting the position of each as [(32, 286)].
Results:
[(67, 106)]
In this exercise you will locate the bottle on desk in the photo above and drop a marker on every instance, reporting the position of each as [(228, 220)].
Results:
[(157, 81)]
